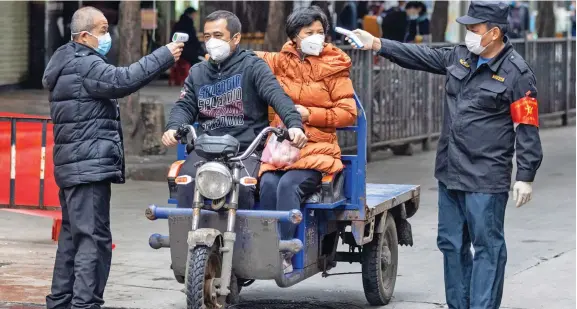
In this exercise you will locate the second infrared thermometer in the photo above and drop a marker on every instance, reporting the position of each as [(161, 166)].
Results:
[(180, 37), (351, 35)]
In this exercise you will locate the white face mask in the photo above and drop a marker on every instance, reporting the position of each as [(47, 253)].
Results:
[(473, 42), (218, 49), (313, 45)]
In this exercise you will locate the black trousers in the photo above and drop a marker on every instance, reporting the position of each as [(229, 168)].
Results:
[(246, 197), (286, 191), (84, 248)]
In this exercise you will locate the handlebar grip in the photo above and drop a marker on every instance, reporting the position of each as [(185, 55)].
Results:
[(181, 132), (286, 135), (282, 134)]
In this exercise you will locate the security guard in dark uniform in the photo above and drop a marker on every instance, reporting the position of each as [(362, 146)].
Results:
[(490, 112)]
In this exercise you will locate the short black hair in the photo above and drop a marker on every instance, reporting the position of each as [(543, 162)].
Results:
[(232, 22), (417, 5), (504, 28), (189, 10), (303, 17)]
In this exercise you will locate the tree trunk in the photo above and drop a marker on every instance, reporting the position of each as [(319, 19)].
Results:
[(439, 21), (275, 36), (130, 52), (546, 19), (142, 123), (152, 115)]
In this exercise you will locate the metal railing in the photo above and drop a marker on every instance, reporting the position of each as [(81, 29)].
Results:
[(405, 106)]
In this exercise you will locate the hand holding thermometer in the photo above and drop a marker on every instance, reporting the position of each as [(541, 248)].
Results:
[(351, 35), (179, 37)]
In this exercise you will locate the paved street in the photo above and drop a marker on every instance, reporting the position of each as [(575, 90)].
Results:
[(541, 247)]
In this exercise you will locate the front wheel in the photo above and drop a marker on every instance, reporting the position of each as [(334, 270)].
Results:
[(379, 264), (202, 276)]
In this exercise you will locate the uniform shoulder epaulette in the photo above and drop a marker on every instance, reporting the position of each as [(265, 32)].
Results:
[(519, 62)]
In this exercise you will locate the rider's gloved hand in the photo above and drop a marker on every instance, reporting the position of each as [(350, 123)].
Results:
[(522, 192), (168, 139), (298, 137), (368, 40)]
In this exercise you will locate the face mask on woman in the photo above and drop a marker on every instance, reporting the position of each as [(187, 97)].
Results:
[(218, 49), (313, 45), (473, 42)]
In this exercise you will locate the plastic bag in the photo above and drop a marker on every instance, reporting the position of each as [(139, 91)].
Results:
[(279, 154)]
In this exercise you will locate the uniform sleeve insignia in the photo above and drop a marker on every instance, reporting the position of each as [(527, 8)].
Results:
[(525, 110)]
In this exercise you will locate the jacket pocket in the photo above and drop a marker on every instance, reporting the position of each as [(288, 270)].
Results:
[(112, 150), (455, 79), (490, 94)]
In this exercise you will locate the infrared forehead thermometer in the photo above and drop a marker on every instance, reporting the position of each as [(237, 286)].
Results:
[(179, 37), (351, 36)]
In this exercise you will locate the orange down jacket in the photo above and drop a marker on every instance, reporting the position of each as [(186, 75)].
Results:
[(322, 85)]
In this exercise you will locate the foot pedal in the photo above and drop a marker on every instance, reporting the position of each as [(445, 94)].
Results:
[(294, 245)]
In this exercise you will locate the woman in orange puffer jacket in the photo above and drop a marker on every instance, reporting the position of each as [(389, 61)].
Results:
[(316, 77)]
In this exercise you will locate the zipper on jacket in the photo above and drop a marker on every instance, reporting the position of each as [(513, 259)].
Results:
[(219, 72)]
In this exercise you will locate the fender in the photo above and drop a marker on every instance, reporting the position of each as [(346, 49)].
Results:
[(203, 237), (404, 230)]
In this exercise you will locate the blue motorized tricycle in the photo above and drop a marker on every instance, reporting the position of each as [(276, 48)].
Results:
[(216, 248)]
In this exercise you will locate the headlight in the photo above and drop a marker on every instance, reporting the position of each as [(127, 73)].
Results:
[(213, 180)]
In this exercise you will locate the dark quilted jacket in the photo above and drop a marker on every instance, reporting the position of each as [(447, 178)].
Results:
[(88, 144)]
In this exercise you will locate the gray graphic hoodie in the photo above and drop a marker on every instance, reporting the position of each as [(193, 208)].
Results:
[(232, 97)]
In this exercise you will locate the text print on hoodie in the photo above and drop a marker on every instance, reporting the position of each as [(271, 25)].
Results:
[(232, 97)]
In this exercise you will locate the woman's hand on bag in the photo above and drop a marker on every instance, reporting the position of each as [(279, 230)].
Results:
[(305, 114), (298, 137)]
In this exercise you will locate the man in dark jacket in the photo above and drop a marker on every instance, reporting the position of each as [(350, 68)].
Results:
[(88, 151), (230, 94), (490, 112), (395, 23), (192, 48)]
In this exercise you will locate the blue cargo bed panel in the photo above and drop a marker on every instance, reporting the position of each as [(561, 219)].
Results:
[(378, 194)]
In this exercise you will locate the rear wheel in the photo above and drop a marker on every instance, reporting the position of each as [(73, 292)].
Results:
[(202, 280), (379, 264)]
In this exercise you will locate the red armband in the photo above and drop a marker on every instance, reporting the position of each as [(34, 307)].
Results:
[(525, 111)]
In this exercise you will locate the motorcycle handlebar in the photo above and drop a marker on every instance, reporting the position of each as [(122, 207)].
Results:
[(281, 134)]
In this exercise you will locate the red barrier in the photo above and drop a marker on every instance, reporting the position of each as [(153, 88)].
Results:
[(27, 182), (26, 177)]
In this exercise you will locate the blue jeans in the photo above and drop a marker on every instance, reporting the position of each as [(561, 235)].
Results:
[(285, 191), (472, 281)]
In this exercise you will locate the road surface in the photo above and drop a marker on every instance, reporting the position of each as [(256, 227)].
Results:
[(540, 240)]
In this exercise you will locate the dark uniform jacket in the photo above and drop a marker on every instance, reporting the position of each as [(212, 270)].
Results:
[(88, 144), (233, 98), (478, 137)]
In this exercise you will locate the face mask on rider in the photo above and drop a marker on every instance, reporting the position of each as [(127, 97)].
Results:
[(218, 49), (104, 43), (313, 45), (473, 42)]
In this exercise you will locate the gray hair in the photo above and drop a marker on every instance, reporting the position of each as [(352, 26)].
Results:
[(83, 20)]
